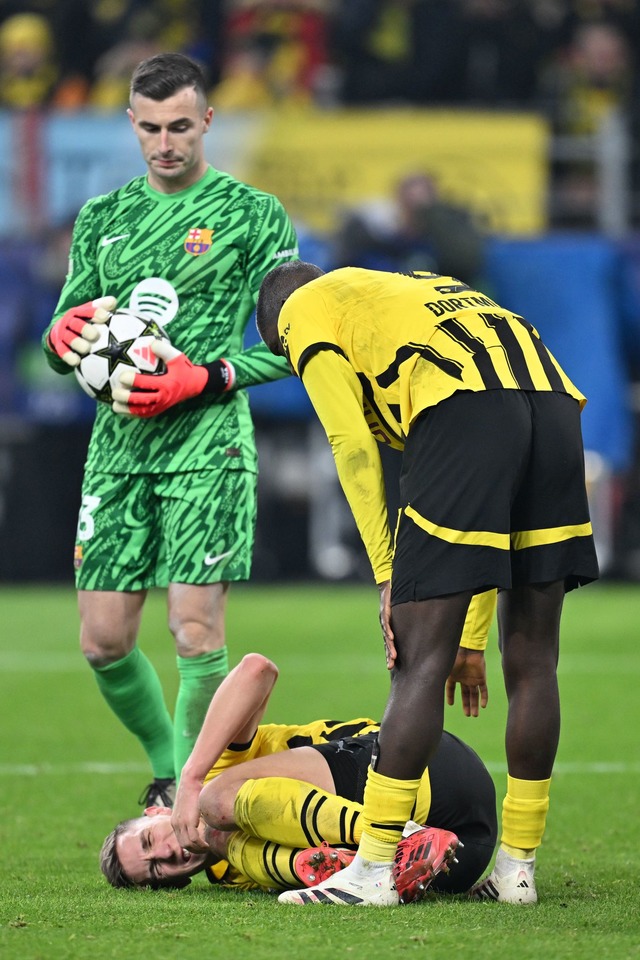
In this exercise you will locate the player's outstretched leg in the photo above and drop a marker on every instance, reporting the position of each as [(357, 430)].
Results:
[(422, 854), (361, 884), (510, 881)]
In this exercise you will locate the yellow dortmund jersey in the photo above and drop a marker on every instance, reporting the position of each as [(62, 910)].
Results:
[(375, 349), (276, 737)]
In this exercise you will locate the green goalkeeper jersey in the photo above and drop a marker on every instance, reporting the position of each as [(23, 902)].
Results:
[(193, 261)]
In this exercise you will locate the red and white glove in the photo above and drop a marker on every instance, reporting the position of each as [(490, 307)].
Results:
[(72, 335), (148, 394)]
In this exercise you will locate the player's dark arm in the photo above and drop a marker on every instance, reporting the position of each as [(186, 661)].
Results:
[(469, 669)]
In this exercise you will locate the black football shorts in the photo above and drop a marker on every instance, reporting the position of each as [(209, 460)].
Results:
[(493, 495), (463, 798)]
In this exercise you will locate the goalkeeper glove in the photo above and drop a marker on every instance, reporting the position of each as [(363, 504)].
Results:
[(72, 335), (147, 395)]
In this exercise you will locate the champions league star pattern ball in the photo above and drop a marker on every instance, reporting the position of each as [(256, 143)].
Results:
[(124, 343)]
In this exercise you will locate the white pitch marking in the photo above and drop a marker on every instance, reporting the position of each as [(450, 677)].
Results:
[(94, 767)]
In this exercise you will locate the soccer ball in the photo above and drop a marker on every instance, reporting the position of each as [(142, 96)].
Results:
[(124, 343)]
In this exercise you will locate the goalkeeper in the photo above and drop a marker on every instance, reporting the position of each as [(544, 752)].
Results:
[(278, 789), (169, 489)]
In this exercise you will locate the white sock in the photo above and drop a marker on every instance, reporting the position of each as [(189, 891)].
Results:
[(369, 869), (410, 827), (506, 864)]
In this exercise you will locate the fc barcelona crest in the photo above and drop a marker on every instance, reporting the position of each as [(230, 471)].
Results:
[(198, 241)]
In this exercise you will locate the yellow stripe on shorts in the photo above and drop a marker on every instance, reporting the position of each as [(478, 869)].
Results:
[(501, 541), (540, 538), (473, 538)]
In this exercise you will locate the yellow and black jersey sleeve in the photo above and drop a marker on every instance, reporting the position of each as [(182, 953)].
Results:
[(336, 395), (275, 737), (478, 621), (414, 339)]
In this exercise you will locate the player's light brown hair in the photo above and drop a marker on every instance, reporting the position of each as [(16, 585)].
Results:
[(112, 867), (109, 860), (162, 75), (275, 289)]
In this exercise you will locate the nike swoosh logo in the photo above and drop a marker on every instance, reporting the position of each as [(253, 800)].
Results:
[(107, 240), (209, 560)]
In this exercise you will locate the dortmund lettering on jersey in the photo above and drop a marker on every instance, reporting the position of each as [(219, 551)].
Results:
[(413, 340), (375, 349), (194, 262)]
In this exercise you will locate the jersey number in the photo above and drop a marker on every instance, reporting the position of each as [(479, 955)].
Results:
[(86, 524)]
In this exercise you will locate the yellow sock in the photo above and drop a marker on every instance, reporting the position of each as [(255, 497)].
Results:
[(388, 804), (296, 814), (524, 815), (254, 861)]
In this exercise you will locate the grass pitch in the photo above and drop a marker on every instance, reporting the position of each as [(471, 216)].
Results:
[(68, 772)]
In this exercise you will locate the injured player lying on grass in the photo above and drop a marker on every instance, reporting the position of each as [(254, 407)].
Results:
[(277, 806)]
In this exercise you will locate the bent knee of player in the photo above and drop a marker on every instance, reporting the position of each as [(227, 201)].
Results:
[(109, 624), (103, 649), (192, 640), (197, 633), (217, 800)]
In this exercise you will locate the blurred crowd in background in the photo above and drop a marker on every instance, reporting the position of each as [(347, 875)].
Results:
[(572, 59), (572, 62)]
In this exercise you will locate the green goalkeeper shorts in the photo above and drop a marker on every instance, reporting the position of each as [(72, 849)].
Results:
[(143, 530)]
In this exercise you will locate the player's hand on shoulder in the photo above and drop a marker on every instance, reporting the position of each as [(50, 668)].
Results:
[(470, 671), (73, 333)]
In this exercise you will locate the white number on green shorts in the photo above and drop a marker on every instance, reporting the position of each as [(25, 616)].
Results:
[(86, 525)]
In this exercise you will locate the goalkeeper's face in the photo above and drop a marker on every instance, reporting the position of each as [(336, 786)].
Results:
[(170, 133), (149, 852)]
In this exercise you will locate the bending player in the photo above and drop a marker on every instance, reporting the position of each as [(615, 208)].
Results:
[(492, 494), (279, 790)]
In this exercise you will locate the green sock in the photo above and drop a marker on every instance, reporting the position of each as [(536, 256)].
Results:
[(200, 677), (132, 689)]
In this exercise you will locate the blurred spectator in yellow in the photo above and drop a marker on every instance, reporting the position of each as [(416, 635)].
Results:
[(416, 230), (28, 68)]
